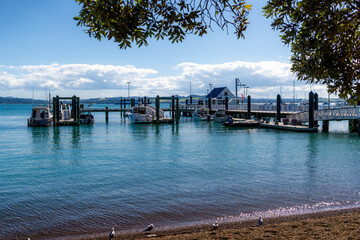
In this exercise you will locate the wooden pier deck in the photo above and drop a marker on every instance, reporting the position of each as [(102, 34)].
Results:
[(281, 126), (113, 109)]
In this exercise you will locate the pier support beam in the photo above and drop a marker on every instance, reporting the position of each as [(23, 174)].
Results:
[(278, 107), (311, 110), (209, 104), (190, 100), (226, 104), (325, 126), (173, 107), (249, 107), (354, 125), (106, 114), (177, 110), (316, 106), (157, 106)]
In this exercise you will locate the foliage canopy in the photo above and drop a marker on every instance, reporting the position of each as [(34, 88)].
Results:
[(324, 39), (323, 34), (134, 21)]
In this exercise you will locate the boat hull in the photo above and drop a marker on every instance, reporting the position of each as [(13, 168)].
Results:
[(38, 122), (243, 124)]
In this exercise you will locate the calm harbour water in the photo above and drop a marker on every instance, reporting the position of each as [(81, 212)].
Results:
[(57, 181)]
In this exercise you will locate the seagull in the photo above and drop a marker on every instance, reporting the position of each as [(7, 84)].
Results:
[(112, 234), (260, 221), (215, 226), (149, 228)]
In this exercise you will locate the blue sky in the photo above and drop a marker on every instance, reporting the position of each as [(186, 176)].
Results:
[(42, 48)]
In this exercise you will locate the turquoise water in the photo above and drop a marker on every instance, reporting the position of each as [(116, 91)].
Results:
[(61, 181)]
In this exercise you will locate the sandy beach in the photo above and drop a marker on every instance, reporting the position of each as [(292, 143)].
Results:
[(337, 224)]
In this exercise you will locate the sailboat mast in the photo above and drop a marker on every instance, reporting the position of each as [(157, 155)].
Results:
[(190, 89)]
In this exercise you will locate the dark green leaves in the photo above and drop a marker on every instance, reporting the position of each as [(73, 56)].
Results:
[(134, 21), (325, 41)]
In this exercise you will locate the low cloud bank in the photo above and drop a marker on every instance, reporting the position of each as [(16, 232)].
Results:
[(264, 79)]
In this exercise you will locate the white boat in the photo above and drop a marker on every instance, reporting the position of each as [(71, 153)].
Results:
[(127, 114), (65, 111), (40, 116), (87, 118), (220, 116), (201, 115), (144, 114)]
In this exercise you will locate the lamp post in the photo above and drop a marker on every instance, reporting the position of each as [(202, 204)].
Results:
[(128, 83), (244, 85)]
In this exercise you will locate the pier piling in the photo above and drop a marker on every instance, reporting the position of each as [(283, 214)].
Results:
[(173, 107), (249, 107), (209, 104), (316, 105), (226, 103), (325, 126), (177, 110), (278, 107), (311, 110), (354, 125), (106, 114), (157, 106)]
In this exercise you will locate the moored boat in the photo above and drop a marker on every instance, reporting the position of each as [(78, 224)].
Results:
[(220, 116), (144, 114), (201, 115), (40, 116), (87, 118), (241, 123)]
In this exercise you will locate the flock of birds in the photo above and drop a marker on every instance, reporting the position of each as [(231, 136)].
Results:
[(151, 227)]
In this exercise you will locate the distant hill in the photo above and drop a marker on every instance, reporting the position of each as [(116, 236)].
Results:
[(113, 100), (13, 100)]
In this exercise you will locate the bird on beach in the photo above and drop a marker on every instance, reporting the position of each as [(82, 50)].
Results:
[(215, 226), (112, 234), (260, 221), (149, 228)]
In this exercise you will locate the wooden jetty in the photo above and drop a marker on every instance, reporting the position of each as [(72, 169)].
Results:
[(75, 111), (175, 111), (246, 111), (282, 126)]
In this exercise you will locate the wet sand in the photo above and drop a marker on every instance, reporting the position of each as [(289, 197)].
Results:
[(337, 224)]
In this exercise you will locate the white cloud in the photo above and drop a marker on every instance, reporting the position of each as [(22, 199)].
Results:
[(264, 78)]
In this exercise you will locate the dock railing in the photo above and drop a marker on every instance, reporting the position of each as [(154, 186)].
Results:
[(243, 107), (344, 113)]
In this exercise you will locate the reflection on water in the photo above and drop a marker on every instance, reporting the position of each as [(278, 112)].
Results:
[(56, 138), (311, 164), (75, 140), (82, 179)]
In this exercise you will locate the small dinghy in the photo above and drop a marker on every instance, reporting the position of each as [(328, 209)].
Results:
[(241, 123)]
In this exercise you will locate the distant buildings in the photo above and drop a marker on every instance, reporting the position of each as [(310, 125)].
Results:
[(220, 93)]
